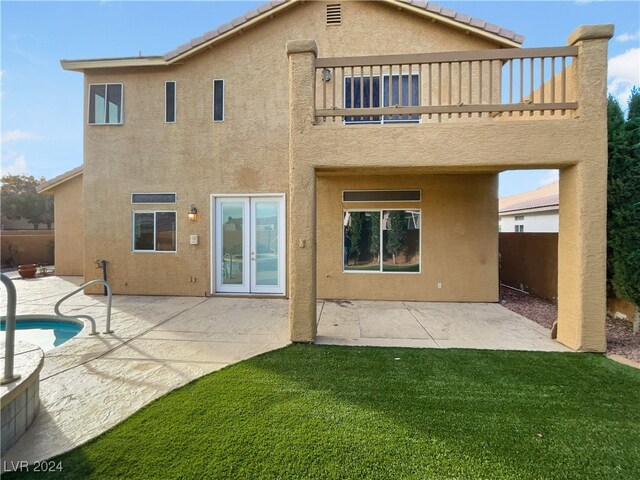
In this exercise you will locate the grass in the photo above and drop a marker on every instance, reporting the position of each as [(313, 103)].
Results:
[(310, 411)]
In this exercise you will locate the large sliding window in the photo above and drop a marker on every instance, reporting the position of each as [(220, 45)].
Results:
[(154, 231), (385, 241), (105, 104), (364, 92)]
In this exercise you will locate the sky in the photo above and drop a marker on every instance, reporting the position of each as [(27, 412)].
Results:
[(41, 104)]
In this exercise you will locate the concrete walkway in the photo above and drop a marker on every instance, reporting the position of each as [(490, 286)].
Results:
[(91, 383), (430, 325)]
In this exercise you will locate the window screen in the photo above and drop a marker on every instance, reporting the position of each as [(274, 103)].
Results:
[(381, 196), (218, 100), (170, 102), (153, 198)]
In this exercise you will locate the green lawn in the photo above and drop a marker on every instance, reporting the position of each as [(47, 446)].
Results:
[(343, 412)]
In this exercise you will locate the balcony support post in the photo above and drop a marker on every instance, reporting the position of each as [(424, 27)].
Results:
[(582, 238), (302, 193)]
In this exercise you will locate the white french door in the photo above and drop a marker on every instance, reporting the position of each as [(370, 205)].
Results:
[(249, 244)]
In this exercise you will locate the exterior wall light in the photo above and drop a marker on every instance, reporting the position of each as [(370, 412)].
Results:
[(326, 75), (193, 213)]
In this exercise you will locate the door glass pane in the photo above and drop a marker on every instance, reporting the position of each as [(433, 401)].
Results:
[(233, 224), (401, 240), (267, 241), (361, 242), (143, 231), (166, 231)]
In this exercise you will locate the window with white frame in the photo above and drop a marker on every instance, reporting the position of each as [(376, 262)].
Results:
[(154, 231), (381, 241), (105, 104), (364, 91), (519, 228)]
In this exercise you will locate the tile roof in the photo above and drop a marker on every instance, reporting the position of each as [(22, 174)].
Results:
[(466, 19), (267, 7), (545, 196), (59, 179)]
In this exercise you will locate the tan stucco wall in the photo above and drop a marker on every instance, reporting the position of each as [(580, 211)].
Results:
[(69, 232), (247, 153), (459, 239)]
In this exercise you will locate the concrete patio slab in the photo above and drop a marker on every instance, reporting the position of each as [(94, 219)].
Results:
[(389, 322), (431, 325)]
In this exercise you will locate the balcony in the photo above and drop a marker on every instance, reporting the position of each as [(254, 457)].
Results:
[(499, 84)]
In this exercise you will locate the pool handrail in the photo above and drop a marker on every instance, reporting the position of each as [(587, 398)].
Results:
[(10, 337), (107, 285)]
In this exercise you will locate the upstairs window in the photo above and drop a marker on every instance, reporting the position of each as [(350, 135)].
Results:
[(364, 92), (105, 104), (169, 102), (218, 100)]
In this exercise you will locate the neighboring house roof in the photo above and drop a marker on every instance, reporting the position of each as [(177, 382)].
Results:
[(430, 10), (546, 197), (54, 182)]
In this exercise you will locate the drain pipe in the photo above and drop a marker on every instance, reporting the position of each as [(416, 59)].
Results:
[(104, 275), (10, 339)]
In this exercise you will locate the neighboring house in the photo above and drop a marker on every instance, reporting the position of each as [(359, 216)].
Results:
[(69, 220), (536, 211), (314, 149)]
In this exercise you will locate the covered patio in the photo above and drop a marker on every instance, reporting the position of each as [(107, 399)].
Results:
[(430, 325)]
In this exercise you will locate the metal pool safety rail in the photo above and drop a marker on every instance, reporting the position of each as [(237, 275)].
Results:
[(107, 286), (10, 339)]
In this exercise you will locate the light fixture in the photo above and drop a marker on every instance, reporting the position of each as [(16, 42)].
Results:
[(326, 75), (193, 213)]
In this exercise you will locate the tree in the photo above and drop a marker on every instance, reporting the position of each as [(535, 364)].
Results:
[(396, 231), (20, 200), (617, 156), (623, 215), (356, 231), (374, 237)]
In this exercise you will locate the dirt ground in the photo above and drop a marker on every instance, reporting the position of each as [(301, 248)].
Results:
[(620, 337)]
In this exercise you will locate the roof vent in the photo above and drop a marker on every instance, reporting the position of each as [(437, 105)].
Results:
[(334, 14)]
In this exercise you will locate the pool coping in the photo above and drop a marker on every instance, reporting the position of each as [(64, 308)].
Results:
[(26, 374)]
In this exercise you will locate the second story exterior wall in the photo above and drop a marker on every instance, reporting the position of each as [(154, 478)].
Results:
[(194, 157)]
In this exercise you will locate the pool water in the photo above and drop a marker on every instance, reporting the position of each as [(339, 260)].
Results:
[(47, 334)]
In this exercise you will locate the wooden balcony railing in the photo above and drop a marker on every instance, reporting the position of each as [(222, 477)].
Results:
[(439, 86)]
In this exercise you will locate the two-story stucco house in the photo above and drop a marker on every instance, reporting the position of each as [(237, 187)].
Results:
[(322, 149)]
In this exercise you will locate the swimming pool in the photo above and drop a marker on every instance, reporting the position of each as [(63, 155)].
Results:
[(45, 331)]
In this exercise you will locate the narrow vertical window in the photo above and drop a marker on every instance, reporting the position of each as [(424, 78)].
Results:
[(218, 100), (169, 102)]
